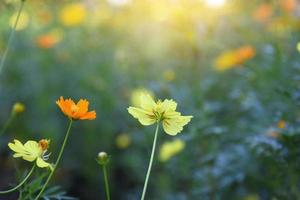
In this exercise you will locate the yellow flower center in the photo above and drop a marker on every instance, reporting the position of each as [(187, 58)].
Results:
[(157, 111), (44, 144)]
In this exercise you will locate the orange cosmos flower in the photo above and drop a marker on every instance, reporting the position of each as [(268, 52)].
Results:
[(234, 58), (46, 41), (263, 13), (245, 53), (288, 5), (76, 111)]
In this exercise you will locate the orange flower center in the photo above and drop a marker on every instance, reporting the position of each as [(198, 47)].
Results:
[(44, 144)]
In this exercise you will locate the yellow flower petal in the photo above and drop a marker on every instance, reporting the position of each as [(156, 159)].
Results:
[(145, 118), (17, 155), (174, 125), (41, 163), (168, 105), (147, 102), (17, 146), (29, 157), (32, 147), (135, 97)]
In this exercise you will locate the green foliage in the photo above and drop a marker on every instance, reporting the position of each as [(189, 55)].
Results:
[(30, 190)]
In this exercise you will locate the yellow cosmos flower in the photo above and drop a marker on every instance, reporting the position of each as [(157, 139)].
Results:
[(160, 111), (170, 149), (73, 14), (32, 151)]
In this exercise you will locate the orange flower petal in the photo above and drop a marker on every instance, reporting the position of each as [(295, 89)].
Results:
[(89, 116), (83, 106)]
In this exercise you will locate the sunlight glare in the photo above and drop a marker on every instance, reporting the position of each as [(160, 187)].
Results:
[(119, 2), (214, 3)]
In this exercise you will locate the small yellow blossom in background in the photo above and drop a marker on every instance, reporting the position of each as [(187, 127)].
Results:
[(233, 58), (298, 47), (136, 94), (32, 151), (263, 13), (281, 124), (73, 14), (123, 141), (49, 40), (151, 112), (76, 111), (169, 75), (22, 23), (170, 149), (18, 108), (225, 61)]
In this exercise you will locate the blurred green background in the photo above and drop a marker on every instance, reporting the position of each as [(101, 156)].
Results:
[(232, 64)]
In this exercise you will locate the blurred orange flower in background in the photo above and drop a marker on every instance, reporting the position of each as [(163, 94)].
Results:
[(263, 13), (76, 111), (49, 40), (233, 58), (288, 5), (73, 14)]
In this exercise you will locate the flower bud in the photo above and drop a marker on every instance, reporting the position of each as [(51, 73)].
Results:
[(103, 158), (18, 108)]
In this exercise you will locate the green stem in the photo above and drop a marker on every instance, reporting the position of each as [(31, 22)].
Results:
[(11, 35), (150, 163), (57, 161), (20, 184), (106, 182), (6, 125)]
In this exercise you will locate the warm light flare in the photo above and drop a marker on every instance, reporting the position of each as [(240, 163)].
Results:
[(214, 3), (119, 2)]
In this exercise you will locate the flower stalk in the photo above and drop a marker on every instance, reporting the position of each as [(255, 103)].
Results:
[(17, 109), (11, 35), (20, 184), (106, 182), (151, 162), (57, 161), (103, 160)]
